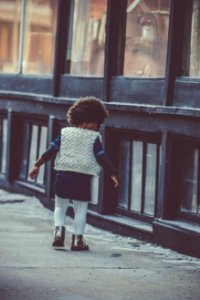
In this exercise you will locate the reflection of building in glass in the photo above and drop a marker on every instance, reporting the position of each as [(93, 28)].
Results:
[(88, 37), (27, 36), (10, 19), (146, 38), (194, 67), (3, 144)]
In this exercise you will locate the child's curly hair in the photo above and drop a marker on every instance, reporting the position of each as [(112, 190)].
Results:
[(87, 110)]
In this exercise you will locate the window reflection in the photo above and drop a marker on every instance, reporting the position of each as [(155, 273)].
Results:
[(94, 190), (34, 144), (124, 161), (42, 147), (138, 165), (3, 144), (39, 36), (10, 18), (136, 185), (35, 39), (189, 180), (86, 50), (146, 38), (194, 69), (150, 180)]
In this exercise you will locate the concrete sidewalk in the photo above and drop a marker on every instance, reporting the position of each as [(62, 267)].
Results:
[(116, 268)]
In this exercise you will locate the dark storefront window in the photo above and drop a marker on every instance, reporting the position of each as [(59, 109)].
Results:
[(34, 144), (3, 144), (189, 175), (146, 38), (138, 168), (85, 52), (194, 67), (27, 36), (124, 160), (94, 190), (185, 179)]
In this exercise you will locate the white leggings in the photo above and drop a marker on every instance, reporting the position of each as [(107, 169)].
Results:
[(80, 212)]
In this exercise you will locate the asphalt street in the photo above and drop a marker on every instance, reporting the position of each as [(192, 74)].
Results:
[(115, 268)]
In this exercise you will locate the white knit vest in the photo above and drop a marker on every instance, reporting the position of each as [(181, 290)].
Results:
[(76, 151)]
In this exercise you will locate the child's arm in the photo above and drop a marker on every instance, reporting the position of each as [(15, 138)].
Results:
[(104, 161), (36, 168), (46, 156)]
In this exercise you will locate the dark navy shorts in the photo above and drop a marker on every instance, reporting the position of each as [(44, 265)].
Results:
[(72, 185)]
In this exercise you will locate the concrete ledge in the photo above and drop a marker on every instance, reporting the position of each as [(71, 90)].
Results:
[(178, 235), (122, 225)]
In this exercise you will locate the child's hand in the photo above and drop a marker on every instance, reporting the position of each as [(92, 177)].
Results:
[(115, 181), (34, 172)]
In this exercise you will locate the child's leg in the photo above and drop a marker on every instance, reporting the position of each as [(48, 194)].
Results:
[(61, 206), (80, 213)]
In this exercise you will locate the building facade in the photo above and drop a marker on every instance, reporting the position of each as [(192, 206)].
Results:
[(142, 58)]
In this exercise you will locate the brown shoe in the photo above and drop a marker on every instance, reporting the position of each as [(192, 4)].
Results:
[(59, 236), (78, 243)]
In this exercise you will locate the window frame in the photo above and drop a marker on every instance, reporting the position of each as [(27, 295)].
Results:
[(113, 137), (15, 134), (116, 86), (179, 86), (27, 136), (178, 141), (2, 118)]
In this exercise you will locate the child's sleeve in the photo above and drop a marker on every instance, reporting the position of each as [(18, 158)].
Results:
[(53, 149), (102, 158)]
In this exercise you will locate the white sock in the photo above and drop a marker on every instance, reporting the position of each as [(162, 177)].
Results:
[(61, 206), (80, 213)]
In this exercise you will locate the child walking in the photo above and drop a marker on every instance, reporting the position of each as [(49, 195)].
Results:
[(79, 156)]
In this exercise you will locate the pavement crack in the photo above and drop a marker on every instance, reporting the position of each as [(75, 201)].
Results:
[(79, 268), (10, 201)]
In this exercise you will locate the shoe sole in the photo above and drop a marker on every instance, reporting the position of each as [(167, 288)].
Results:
[(79, 249), (58, 244)]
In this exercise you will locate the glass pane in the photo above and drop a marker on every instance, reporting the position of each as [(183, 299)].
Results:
[(194, 68), (150, 180), (25, 152), (189, 178), (146, 38), (10, 14), (39, 36), (33, 147), (86, 52), (4, 145), (95, 190), (124, 160), (136, 186), (42, 148), (1, 142)]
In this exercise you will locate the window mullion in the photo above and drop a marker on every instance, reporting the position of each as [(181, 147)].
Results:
[(157, 178), (1, 142), (198, 184), (22, 37), (63, 17), (130, 174), (144, 176), (30, 131), (115, 42)]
